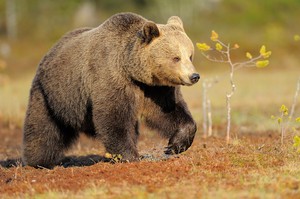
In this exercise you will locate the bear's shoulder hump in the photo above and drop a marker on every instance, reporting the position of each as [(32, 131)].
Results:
[(124, 21)]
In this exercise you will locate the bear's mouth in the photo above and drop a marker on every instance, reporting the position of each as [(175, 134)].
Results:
[(185, 83), (177, 82)]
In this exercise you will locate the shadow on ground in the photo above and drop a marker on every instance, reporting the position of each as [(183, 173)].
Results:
[(68, 161), (88, 160)]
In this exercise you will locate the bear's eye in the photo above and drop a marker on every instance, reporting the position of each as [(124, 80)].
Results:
[(176, 59), (191, 57)]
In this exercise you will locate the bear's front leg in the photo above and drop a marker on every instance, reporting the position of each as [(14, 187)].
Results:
[(182, 139), (167, 112), (117, 127), (177, 125)]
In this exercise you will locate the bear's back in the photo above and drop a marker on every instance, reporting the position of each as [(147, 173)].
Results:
[(124, 23), (67, 70)]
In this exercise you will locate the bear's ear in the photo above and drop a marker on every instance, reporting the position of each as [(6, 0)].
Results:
[(148, 32), (174, 20)]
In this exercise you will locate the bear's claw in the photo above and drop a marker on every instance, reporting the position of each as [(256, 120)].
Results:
[(173, 149)]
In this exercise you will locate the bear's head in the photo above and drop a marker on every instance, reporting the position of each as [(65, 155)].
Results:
[(166, 54)]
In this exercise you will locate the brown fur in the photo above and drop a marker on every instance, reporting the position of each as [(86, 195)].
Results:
[(102, 80)]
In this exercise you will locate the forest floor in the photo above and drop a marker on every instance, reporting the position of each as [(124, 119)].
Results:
[(254, 165)]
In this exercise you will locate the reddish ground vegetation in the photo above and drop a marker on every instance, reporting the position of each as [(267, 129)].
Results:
[(209, 164)]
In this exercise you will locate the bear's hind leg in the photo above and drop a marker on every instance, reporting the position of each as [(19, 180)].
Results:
[(43, 139)]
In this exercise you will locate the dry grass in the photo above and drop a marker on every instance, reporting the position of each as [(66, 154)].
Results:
[(13, 100)]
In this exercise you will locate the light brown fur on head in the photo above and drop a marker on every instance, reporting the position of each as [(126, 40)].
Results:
[(175, 21), (167, 55)]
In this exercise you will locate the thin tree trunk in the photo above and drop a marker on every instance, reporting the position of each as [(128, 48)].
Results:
[(11, 19)]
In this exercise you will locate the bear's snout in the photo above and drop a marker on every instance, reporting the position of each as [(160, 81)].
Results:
[(194, 78)]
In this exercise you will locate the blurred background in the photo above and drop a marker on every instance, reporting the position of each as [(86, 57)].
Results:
[(28, 28)]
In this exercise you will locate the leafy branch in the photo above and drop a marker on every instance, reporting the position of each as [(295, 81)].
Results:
[(224, 52)]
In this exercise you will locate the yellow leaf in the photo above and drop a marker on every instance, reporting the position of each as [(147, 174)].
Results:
[(203, 46), (236, 46), (248, 55), (119, 156), (296, 37), (108, 155), (284, 110), (296, 141), (214, 36), (297, 119), (262, 64), (262, 50), (267, 54), (279, 120), (219, 46)]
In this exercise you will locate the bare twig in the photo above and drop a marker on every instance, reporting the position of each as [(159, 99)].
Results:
[(229, 95), (206, 107), (284, 125), (209, 118), (282, 129), (295, 99)]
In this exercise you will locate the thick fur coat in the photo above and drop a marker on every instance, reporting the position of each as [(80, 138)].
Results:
[(103, 80)]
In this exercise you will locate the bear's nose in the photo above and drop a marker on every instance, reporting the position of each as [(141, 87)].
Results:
[(194, 77)]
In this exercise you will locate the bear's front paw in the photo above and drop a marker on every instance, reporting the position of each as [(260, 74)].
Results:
[(176, 146), (175, 149), (181, 141)]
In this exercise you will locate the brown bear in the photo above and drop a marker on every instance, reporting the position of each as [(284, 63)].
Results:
[(104, 81)]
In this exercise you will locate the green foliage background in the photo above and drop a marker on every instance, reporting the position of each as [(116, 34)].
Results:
[(249, 23)]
